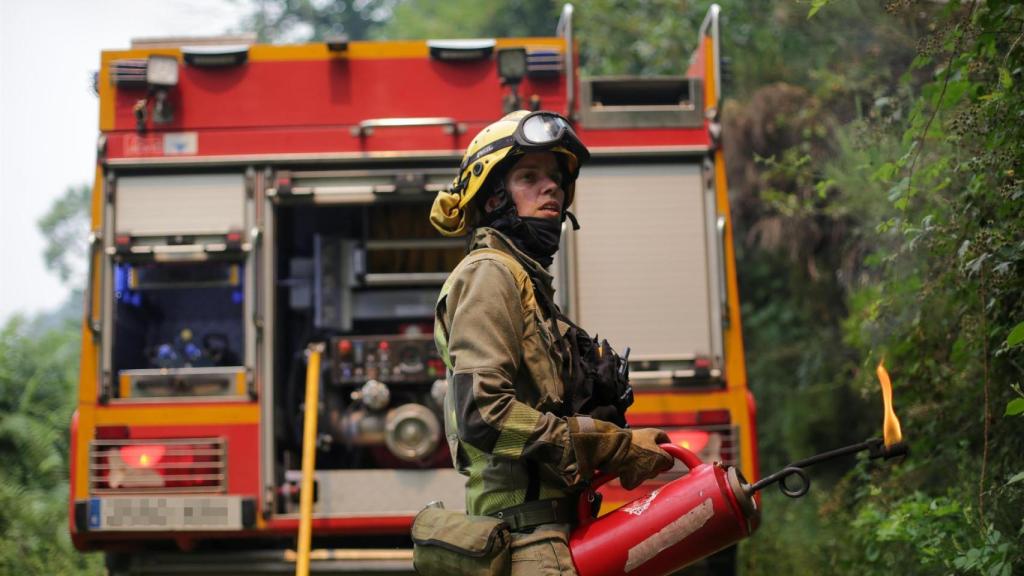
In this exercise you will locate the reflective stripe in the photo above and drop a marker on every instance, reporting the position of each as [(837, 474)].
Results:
[(482, 498), (515, 431), (441, 342), (475, 483)]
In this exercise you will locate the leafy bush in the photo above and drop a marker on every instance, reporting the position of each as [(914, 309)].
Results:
[(38, 379)]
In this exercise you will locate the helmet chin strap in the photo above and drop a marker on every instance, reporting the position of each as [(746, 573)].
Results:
[(572, 218)]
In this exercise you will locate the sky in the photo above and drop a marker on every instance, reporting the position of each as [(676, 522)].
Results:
[(49, 116)]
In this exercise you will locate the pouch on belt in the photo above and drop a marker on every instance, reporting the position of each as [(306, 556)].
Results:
[(448, 542)]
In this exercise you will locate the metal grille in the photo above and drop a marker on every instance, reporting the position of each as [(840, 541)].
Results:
[(129, 72), (728, 450), (197, 465)]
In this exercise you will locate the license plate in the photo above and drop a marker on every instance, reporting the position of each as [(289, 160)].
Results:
[(158, 513)]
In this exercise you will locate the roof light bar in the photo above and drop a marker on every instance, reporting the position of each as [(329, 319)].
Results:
[(461, 50), (215, 56)]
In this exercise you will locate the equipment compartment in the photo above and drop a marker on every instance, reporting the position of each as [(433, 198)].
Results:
[(368, 292), (178, 329)]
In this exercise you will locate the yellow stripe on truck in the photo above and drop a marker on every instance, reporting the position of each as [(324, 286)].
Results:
[(168, 415), (647, 402)]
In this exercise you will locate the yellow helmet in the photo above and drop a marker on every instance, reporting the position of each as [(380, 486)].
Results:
[(515, 134)]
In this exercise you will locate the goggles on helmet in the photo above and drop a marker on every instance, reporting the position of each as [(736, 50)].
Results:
[(536, 132), (543, 130)]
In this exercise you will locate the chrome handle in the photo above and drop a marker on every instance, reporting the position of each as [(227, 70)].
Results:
[(564, 29), (723, 279), (366, 127), (405, 278), (95, 246)]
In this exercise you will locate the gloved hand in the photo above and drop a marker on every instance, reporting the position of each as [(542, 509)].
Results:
[(633, 455)]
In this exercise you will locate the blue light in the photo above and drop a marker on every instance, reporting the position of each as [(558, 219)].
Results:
[(121, 273)]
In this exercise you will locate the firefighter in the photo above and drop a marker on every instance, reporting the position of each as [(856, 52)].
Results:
[(509, 416)]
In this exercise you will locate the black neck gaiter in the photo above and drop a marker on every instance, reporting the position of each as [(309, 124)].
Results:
[(536, 237)]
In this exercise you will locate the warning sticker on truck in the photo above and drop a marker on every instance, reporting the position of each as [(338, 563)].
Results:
[(168, 144)]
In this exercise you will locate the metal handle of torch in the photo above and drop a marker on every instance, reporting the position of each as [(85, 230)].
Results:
[(876, 449)]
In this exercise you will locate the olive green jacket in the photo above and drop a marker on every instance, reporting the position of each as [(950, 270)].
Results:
[(504, 378)]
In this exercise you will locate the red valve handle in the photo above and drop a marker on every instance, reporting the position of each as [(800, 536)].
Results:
[(687, 457)]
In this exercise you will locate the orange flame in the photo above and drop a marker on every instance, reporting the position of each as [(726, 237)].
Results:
[(891, 433)]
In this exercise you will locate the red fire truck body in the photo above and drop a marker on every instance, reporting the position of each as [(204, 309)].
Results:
[(253, 199)]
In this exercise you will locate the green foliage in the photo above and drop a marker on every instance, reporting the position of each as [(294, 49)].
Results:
[(38, 383), (65, 227), (815, 6), (923, 191), (38, 378), (632, 36), (446, 19), (637, 37), (1016, 336), (919, 528), (312, 20), (791, 537), (921, 534)]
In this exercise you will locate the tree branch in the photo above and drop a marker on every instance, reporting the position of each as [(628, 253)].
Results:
[(984, 348), (1016, 41), (945, 84)]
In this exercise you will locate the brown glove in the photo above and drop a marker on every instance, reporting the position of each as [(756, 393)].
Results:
[(633, 455)]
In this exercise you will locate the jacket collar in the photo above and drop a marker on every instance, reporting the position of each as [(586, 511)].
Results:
[(484, 237)]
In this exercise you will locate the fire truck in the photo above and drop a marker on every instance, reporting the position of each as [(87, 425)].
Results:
[(256, 204)]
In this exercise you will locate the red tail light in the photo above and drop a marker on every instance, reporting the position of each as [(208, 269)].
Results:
[(711, 436), (692, 440), (145, 456), (158, 466)]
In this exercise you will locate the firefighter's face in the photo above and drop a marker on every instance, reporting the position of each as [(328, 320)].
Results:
[(535, 185)]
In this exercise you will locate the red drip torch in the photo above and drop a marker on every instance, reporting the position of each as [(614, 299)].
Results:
[(652, 535), (694, 516)]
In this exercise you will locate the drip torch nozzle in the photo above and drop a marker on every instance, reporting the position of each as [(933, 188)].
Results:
[(876, 449)]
